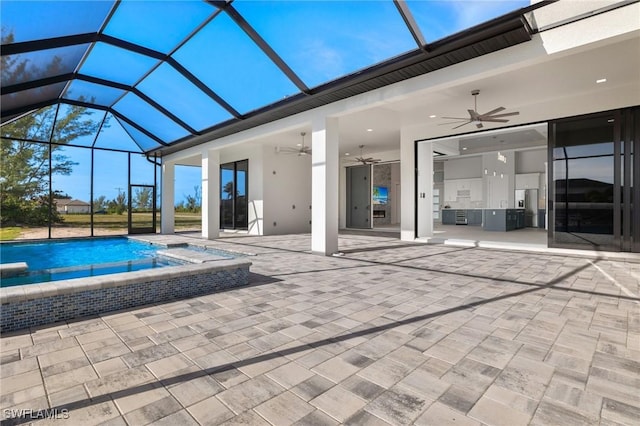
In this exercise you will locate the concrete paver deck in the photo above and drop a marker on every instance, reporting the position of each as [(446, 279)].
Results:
[(389, 333)]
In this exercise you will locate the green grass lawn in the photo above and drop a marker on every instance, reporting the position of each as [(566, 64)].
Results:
[(10, 233), (183, 221), (115, 221)]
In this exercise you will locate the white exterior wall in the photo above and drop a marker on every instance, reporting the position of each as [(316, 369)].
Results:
[(287, 193)]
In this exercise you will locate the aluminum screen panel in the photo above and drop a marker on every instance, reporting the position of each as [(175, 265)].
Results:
[(178, 95), (440, 18), (164, 26), (324, 40), (234, 66), (37, 20)]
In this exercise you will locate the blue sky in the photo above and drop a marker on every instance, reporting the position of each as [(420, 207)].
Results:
[(319, 40)]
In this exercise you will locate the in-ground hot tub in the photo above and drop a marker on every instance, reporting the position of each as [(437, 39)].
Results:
[(193, 273)]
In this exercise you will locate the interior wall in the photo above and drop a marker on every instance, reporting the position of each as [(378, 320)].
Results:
[(500, 180), (388, 176), (396, 189), (463, 168), (287, 193), (385, 156), (531, 161)]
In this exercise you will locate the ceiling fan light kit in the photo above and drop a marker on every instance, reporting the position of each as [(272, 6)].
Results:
[(492, 116), (364, 160), (301, 151)]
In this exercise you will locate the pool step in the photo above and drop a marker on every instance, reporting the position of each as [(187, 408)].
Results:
[(191, 256), (12, 269)]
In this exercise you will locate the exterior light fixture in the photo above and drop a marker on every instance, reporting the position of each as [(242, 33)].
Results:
[(501, 176), (486, 171), (494, 172)]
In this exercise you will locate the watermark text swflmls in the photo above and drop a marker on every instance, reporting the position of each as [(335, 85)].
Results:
[(28, 413)]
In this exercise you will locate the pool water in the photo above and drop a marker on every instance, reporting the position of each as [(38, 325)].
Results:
[(61, 260)]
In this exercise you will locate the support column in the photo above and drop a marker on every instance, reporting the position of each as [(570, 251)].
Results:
[(324, 186), (167, 213), (210, 194), (425, 190), (407, 184)]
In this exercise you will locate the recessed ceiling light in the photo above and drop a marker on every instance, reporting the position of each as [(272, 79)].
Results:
[(464, 148), (432, 116), (601, 80), (298, 144), (611, 120), (369, 130), (346, 154)]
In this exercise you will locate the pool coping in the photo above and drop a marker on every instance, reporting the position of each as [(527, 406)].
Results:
[(26, 292)]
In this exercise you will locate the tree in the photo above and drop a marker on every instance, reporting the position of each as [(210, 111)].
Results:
[(142, 199), (99, 203), (192, 203), (24, 175), (228, 189), (119, 204)]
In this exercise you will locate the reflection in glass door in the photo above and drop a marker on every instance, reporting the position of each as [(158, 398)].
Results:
[(233, 195), (591, 182), (141, 209)]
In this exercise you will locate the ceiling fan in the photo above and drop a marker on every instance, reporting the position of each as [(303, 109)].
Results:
[(301, 150), (474, 117), (364, 160)]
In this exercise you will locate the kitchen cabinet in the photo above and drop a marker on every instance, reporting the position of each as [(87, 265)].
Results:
[(474, 217), (455, 217), (448, 217), (503, 219), (470, 189)]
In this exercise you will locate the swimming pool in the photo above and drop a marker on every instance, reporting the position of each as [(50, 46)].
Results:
[(197, 271), (61, 260)]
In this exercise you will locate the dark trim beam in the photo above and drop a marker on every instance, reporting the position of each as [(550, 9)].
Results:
[(49, 43), (411, 24), (71, 76)]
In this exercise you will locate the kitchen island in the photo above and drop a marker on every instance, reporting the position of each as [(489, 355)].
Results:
[(489, 219)]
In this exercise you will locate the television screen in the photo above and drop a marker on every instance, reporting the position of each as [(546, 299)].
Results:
[(380, 195)]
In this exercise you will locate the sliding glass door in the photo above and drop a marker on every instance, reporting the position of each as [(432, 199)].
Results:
[(233, 195), (592, 181)]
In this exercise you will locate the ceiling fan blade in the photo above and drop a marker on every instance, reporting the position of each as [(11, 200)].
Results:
[(456, 118), (493, 111), (452, 122), (463, 124), (495, 120), (474, 115), (506, 114)]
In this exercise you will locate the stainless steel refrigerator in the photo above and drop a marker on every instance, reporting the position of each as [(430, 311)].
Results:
[(527, 199)]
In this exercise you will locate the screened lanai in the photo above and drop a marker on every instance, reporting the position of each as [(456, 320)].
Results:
[(94, 93)]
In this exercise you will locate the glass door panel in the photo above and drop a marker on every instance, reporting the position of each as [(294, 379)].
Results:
[(234, 195), (241, 207), (227, 191), (142, 219), (586, 203)]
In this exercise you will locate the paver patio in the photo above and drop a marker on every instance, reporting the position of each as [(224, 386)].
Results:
[(389, 333)]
